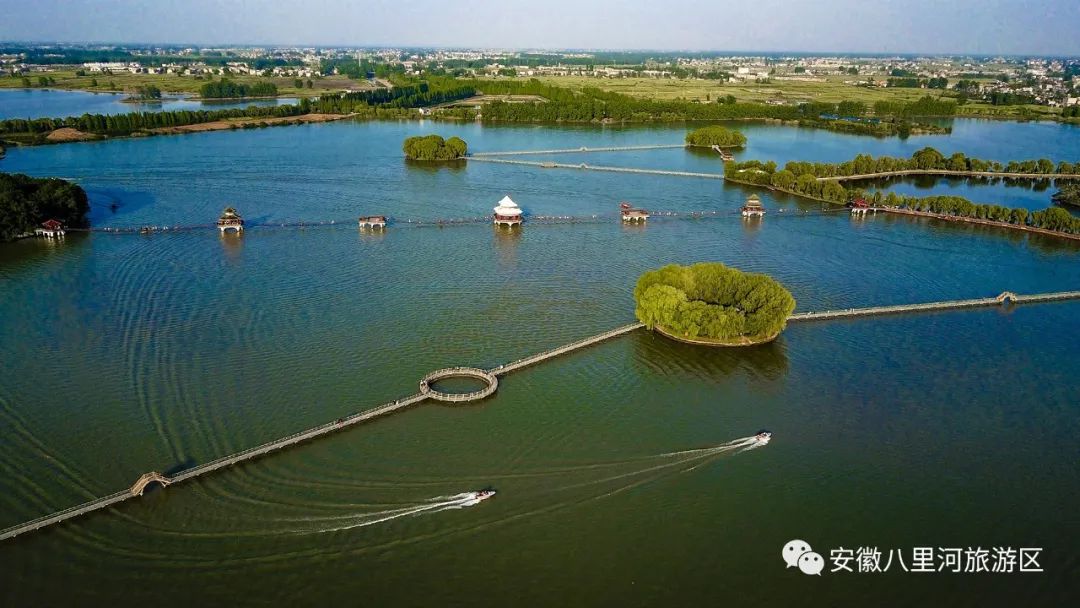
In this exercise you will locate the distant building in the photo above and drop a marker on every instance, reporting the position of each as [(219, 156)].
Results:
[(753, 207), (51, 229), (629, 214), (507, 213), (375, 222), (859, 206), (230, 220)]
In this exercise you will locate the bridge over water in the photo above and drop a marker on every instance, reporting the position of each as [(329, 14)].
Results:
[(588, 167), (577, 150), (490, 378)]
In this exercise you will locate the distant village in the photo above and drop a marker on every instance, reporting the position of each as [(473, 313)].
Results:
[(1042, 81)]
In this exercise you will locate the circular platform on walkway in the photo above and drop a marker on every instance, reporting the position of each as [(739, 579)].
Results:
[(459, 372)]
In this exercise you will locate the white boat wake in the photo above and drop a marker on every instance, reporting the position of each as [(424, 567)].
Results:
[(432, 505), (658, 464)]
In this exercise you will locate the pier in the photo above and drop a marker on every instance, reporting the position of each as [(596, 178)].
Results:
[(1004, 298), (490, 378)]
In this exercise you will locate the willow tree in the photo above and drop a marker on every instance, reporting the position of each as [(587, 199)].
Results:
[(713, 302)]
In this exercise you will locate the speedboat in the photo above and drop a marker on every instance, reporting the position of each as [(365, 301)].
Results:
[(763, 436), (484, 494)]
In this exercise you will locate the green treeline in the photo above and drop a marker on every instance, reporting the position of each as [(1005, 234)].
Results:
[(875, 128), (426, 93), (594, 105), (34, 130), (562, 105), (434, 147), (26, 202), (716, 136), (930, 158), (924, 106), (918, 83), (712, 301), (800, 178), (228, 89)]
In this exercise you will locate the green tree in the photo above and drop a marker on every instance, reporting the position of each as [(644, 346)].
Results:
[(928, 158), (434, 147), (783, 180), (716, 136), (710, 300)]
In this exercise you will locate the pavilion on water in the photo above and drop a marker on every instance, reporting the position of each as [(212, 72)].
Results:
[(629, 214), (375, 222), (230, 220), (859, 206), (753, 207), (50, 229), (507, 213)]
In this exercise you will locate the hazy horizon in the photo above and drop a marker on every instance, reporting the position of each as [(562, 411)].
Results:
[(843, 27)]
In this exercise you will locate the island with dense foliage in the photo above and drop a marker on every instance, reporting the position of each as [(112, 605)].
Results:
[(434, 147), (716, 136), (710, 303), (1069, 194), (26, 202), (145, 93)]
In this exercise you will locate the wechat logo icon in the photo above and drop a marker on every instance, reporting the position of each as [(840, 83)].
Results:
[(798, 554)]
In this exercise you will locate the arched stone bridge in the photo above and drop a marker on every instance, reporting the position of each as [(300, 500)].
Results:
[(146, 479)]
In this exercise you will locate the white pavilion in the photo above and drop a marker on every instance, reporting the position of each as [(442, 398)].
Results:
[(507, 213)]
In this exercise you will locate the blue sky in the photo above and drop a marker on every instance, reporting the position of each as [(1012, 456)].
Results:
[(992, 27)]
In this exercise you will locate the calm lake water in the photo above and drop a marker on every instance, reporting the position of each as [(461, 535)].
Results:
[(56, 103), (121, 354)]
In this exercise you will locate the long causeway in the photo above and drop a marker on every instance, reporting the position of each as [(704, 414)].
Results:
[(578, 150), (588, 167), (425, 393)]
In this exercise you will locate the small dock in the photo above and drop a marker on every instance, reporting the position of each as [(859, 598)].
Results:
[(724, 154)]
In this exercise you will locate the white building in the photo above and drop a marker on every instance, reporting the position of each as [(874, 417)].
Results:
[(507, 213)]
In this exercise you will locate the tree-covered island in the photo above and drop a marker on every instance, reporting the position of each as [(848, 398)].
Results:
[(434, 147), (26, 202), (1069, 194), (710, 303), (716, 136)]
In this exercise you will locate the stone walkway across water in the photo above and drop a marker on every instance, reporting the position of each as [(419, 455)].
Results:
[(490, 378)]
